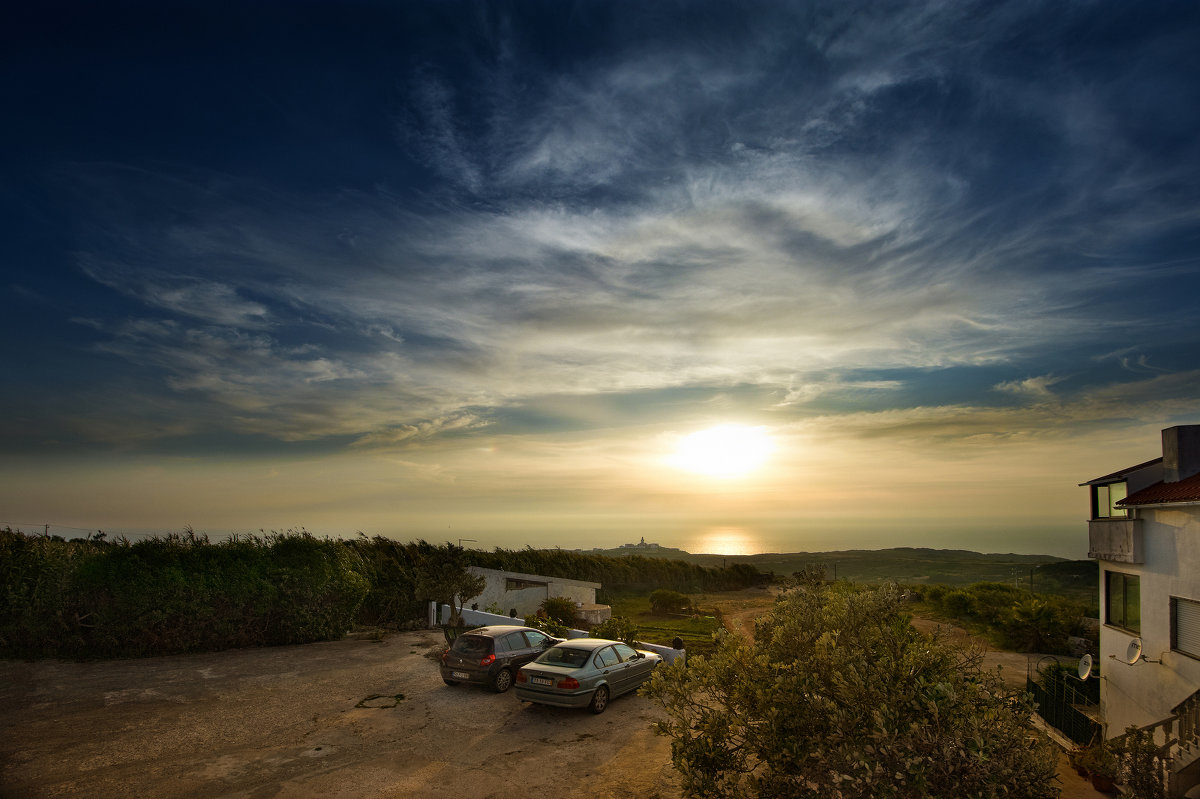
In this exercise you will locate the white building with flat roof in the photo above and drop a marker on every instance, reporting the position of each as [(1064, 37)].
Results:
[(524, 593)]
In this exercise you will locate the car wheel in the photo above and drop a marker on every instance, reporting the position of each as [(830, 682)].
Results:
[(599, 700), (449, 682), (502, 681)]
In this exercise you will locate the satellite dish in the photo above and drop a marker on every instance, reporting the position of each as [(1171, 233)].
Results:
[(1133, 653), (1085, 667)]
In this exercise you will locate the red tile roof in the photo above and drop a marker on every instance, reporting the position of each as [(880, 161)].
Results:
[(1186, 490)]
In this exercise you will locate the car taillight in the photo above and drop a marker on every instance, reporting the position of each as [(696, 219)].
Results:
[(521, 676), (569, 683), (487, 661)]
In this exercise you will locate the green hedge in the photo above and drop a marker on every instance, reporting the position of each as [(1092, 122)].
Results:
[(170, 594)]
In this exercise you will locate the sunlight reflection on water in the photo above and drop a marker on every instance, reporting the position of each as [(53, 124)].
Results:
[(724, 541)]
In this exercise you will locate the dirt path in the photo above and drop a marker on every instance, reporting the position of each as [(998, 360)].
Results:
[(350, 718), (739, 609), (1011, 665)]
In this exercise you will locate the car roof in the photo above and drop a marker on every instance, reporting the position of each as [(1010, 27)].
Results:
[(586, 643), (497, 629)]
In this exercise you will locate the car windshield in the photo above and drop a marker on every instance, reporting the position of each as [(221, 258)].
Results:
[(471, 645), (564, 656)]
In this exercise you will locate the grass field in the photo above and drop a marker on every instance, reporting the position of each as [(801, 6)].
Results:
[(655, 628)]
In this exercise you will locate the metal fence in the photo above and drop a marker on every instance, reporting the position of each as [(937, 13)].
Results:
[(1062, 707)]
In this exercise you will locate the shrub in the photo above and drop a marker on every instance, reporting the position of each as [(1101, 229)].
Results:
[(957, 604), (1141, 766), (991, 602), (546, 625), (559, 608), (667, 601), (618, 628), (839, 695)]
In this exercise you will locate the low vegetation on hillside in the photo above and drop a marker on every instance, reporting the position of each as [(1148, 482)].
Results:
[(1010, 616)]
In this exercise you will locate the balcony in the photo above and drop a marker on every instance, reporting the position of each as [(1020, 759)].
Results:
[(1118, 540)]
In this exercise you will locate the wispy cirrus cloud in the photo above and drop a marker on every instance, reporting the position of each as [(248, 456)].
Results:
[(801, 199)]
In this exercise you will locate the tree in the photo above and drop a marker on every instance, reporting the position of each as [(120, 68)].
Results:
[(839, 696), (442, 576), (1035, 626)]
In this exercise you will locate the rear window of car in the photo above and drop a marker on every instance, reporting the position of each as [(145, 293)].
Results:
[(471, 645), (564, 656)]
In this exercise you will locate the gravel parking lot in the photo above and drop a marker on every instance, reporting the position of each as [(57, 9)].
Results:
[(349, 718)]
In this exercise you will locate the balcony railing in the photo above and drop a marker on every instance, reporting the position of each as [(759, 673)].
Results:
[(1117, 540), (1188, 714)]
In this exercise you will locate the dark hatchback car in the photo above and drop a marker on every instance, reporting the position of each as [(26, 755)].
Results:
[(491, 655)]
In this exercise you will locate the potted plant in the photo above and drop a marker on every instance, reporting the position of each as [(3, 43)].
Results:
[(1078, 762), (1101, 764)]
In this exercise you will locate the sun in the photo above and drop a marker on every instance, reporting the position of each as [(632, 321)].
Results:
[(728, 450)]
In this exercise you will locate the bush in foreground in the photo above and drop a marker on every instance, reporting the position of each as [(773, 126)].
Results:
[(839, 696)]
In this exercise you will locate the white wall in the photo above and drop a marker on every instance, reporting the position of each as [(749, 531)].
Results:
[(527, 600), (1145, 692)]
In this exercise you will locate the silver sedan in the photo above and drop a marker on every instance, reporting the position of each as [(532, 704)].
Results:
[(584, 672)]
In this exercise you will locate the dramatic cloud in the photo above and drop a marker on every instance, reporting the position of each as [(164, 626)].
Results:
[(458, 244)]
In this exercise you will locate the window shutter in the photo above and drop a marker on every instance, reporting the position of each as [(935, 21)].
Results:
[(1187, 626)]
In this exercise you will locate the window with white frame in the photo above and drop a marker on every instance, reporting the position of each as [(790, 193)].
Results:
[(1185, 626), (1105, 499)]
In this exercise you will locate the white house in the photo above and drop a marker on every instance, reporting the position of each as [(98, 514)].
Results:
[(508, 591), (1144, 530)]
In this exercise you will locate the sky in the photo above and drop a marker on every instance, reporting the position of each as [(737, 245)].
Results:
[(732, 277)]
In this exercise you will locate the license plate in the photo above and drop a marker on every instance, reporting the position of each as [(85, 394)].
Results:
[(541, 681), (460, 675)]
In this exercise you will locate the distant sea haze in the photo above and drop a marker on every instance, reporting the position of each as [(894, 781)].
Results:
[(714, 539)]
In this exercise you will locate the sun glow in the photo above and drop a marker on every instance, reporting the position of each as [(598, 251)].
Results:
[(728, 450)]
